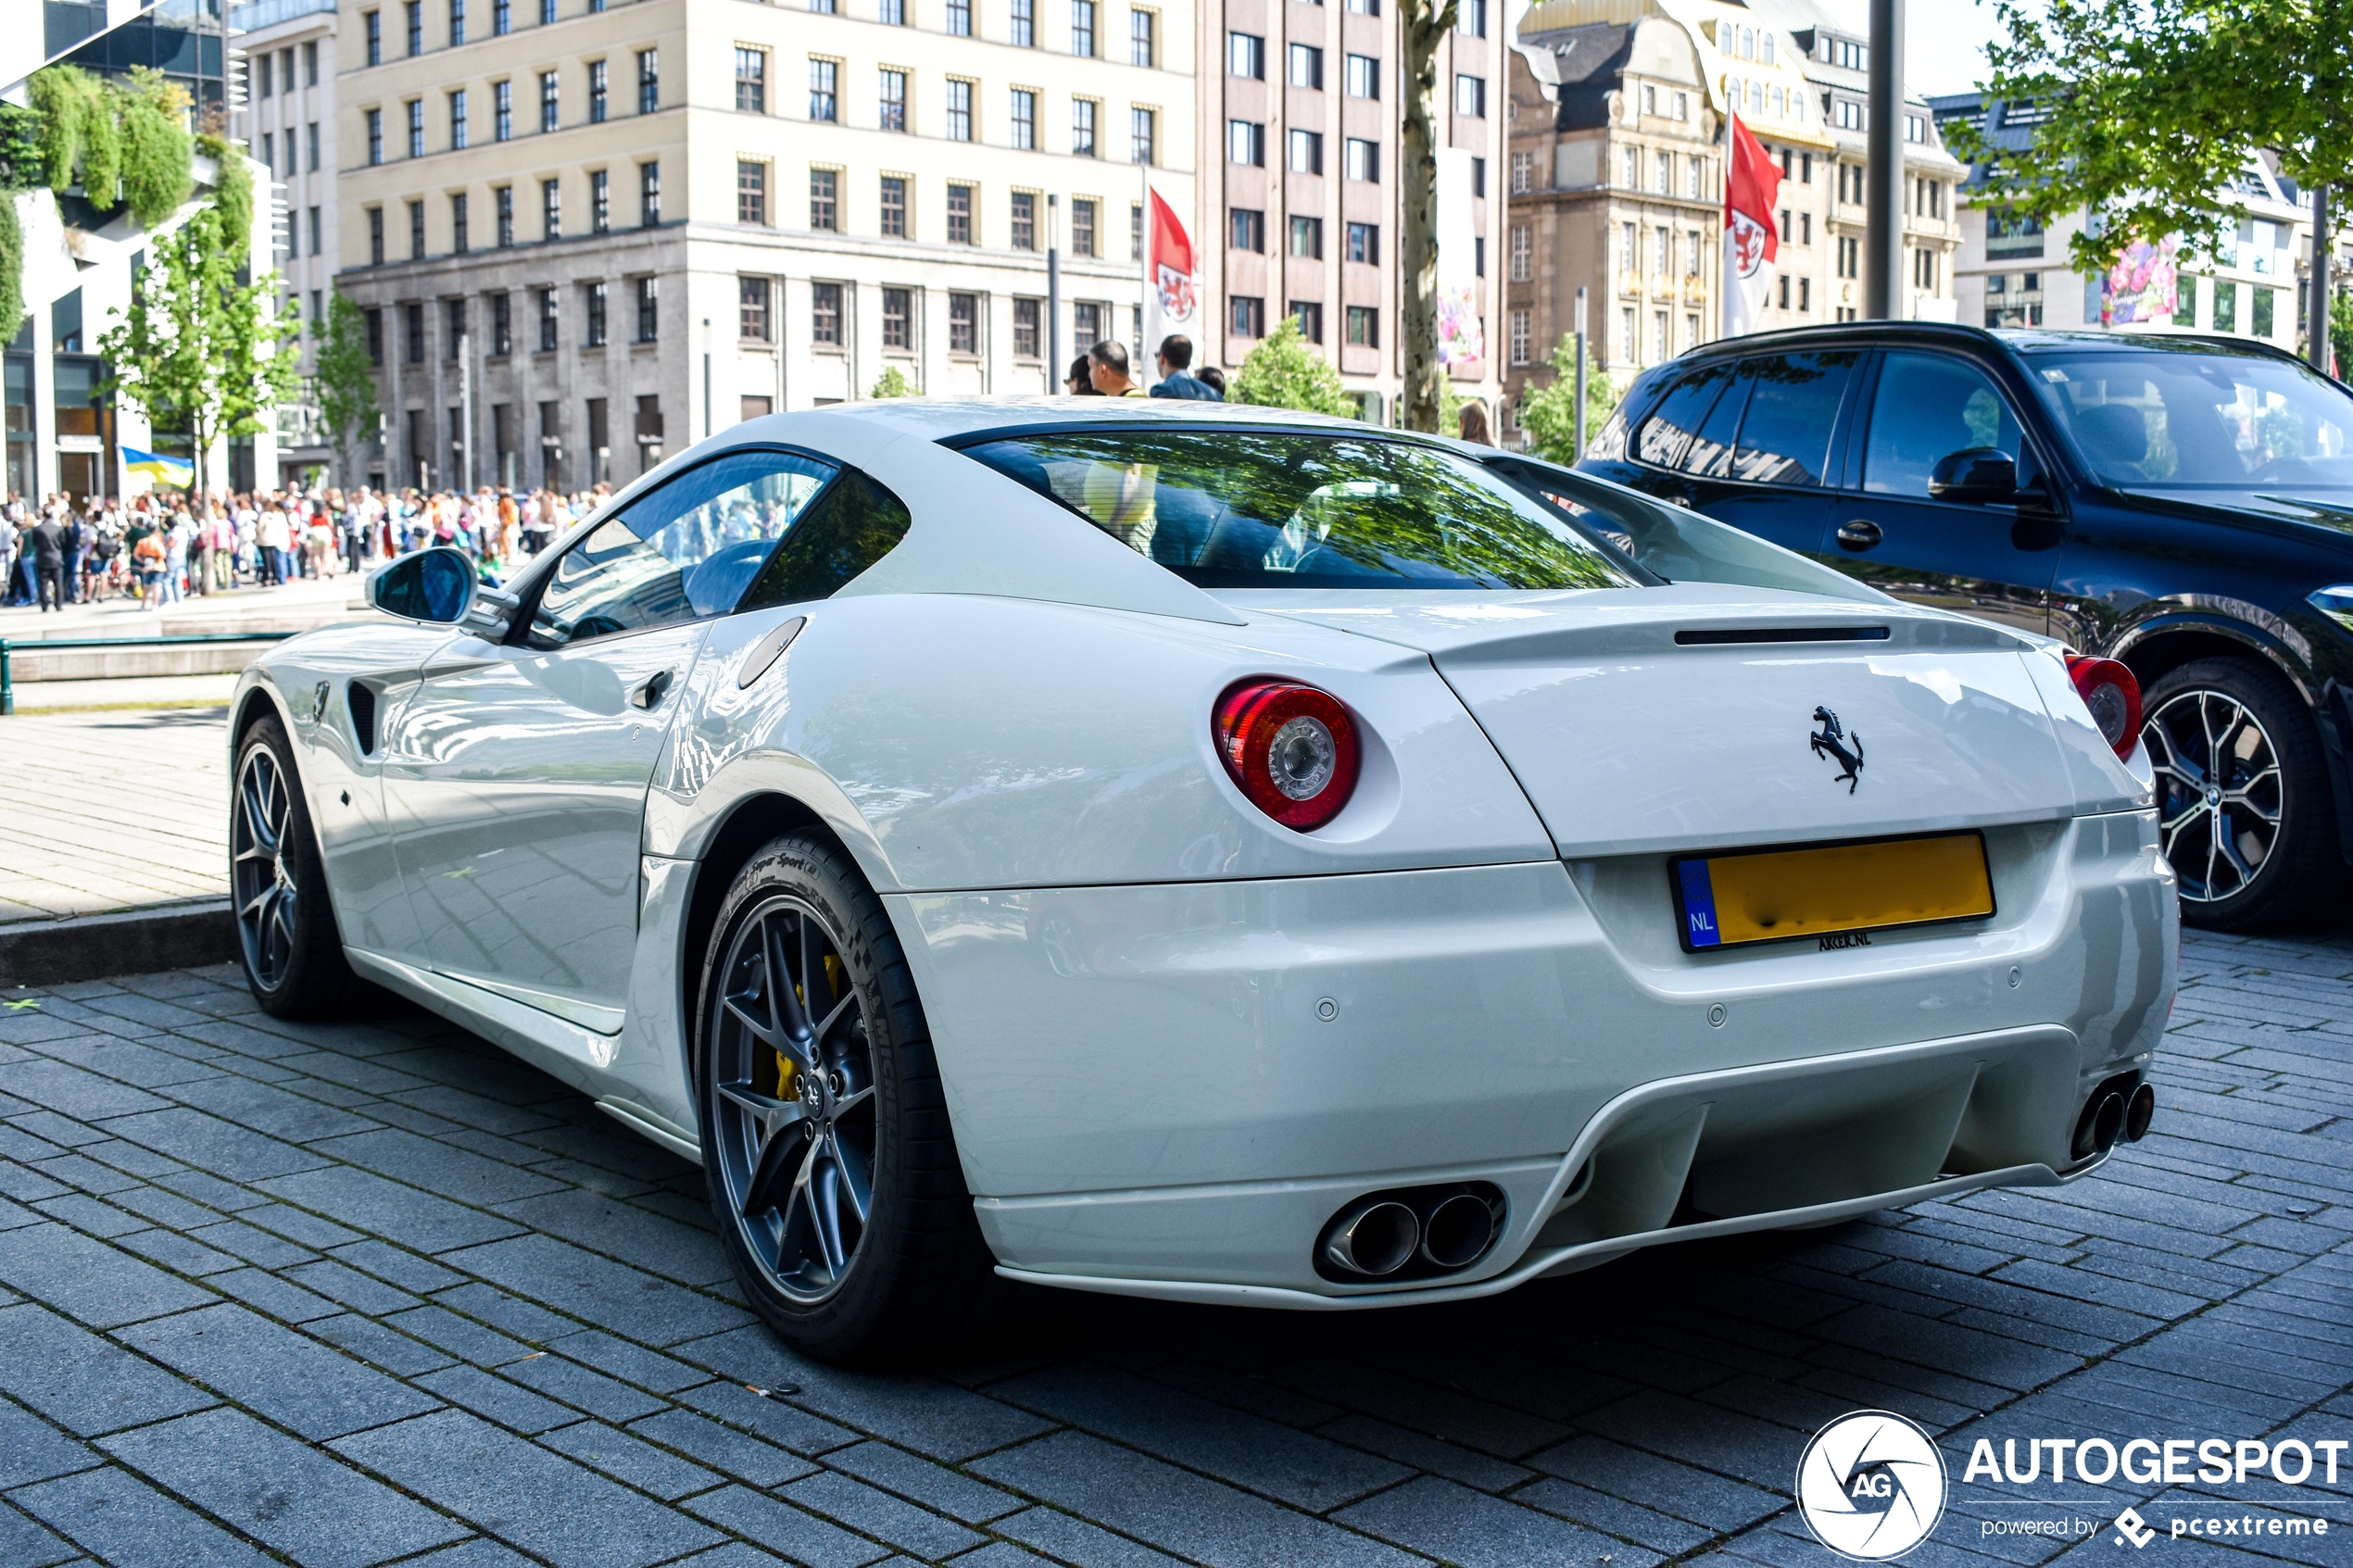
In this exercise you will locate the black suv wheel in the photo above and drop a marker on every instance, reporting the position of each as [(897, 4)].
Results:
[(2242, 794)]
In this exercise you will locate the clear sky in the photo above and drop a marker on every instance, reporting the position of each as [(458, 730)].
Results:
[(1944, 42)]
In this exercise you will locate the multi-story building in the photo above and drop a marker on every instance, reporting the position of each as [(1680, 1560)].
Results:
[(1301, 200), (2012, 271), (288, 124), (586, 234), (1619, 117)]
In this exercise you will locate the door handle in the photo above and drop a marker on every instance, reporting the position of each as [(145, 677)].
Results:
[(1860, 534), (650, 694)]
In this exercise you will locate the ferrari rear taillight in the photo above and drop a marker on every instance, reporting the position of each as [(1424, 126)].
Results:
[(2113, 695), (1292, 748)]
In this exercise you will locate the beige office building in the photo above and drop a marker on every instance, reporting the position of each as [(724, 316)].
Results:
[(588, 234)]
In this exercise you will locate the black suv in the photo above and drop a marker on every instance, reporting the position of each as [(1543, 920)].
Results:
[(2182, 502)]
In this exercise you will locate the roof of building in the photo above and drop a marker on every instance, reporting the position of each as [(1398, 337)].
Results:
[(1586, 64)]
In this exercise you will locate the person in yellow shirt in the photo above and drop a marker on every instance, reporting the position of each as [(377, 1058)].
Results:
[(1107, 368)]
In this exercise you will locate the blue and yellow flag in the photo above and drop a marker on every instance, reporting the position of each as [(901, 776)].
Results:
[(163, 468)]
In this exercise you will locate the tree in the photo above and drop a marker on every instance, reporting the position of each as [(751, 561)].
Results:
[(892, 383), (1284, 371), (2154, 107), (346, 379), (1549, 413), (1425, 25), (197, 351)]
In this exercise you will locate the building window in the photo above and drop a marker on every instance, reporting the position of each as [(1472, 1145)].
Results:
[(1025, 24), (1246, 56), (1027, 314), (1025, 221), (269, 151), (825, 101), (894, 100), (546, 100), (1310, 317), (375, 32), (1659, 336), (502, 325), (313, 139), (1246, 142), (416, 230), (960, 18), (1363, 159), (599, 201), (960, 110), (752, 319), (1664, 179), (502, 111), (457, 127), (1024, 118), (648, 194), (1307, 67), (959, 214), (1523, 173), (1915, 128), (649, 81), (1364, 77), (596, 302), (1246, 229), (751, 191), (1307, 237), (1142, 125), (1086, 323), (599, 93), (894, 13), (416, 107), (502, 18), (1470, 96), (1082, 28), (1136, 233), (547, 13), (412, 323), (1690, 253), (503, 203), (1082, 127), (751, 80), (415, 16), (1364, 243), (1806, 293), (375, 136), (458, 235), (964, 323), (375, 236), (1246, 316), (548, 326), (1083, 231), (1519, 335), (318, 237), (1363, 327), (1140, 37), (1523, 254), (1307, 152), (894, 206), (649, 310), (1470, 18), (1663, 255), (823, 209), (898, 318), (551, 209)]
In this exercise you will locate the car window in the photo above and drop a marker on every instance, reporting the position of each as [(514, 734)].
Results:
[(1711, 451), (2184, 418), (1226, 509), (1665, 439), (852, 525), (682, 551), (1928, 406), (1792, 406)]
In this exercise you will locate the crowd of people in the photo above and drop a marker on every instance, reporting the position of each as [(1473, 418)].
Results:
[(168, 546)]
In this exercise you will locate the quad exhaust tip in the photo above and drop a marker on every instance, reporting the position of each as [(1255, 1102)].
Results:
[(2119, 1110), (2138, 1111), (1412, 1233)]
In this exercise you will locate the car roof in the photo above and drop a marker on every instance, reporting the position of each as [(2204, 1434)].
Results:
[(2018, 340)]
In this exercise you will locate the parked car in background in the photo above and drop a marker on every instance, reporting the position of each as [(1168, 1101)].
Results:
[(2181, 504)]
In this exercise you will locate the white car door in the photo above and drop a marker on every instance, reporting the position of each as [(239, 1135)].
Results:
[(515, 775)]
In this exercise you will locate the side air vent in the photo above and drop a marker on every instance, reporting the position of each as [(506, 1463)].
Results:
[(362, 701), (1713, 636)]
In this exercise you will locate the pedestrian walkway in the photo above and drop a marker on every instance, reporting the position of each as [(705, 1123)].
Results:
[(112, 810), (312, 601)]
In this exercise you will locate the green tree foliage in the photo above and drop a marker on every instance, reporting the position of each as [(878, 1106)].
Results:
[(2155, 107), (119, 142), (232, 186), (196, 352), (345, 377), (1426, 24), (2341, 331), (893, 382), (1284, 371), (1548, 413), (11, 268), (156, 150)]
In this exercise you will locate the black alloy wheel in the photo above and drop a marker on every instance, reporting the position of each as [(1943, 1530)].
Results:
[(832, 1167), (286, 933), (2242, 794)]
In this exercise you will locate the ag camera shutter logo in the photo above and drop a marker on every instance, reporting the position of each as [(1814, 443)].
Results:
[(1870, 1485)]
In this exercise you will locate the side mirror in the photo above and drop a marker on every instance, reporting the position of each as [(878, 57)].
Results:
[(436, 586), (1978, 473)]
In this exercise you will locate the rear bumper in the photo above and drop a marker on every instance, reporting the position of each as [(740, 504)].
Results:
[(1169, 1090)]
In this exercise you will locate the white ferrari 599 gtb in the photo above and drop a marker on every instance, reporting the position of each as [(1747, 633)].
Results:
[(1230, 857)]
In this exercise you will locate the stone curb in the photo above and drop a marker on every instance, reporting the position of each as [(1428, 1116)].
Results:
[(124, 942)]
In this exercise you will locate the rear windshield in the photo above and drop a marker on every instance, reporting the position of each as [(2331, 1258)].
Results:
[(1228, 508)]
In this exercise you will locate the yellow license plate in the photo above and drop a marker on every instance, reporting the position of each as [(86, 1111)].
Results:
[(1837, 892)]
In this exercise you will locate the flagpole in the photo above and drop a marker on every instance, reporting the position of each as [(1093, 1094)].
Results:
[(1724, 242)]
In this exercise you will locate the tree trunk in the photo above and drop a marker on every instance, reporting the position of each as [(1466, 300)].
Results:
[(1424, 24)]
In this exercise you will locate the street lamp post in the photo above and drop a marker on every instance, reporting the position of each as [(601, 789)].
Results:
[(1883, 164)]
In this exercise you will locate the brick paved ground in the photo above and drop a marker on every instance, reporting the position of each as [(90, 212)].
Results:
[(112, 810), (338, 1296)]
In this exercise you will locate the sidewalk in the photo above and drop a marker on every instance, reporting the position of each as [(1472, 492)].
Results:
[(111, 810), (304, 603)]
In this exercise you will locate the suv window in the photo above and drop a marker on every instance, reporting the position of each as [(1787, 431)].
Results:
[(1665, 440), (1785, 434), (681, 552), (1928, 406)]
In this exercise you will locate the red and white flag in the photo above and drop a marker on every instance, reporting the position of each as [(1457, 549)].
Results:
[(1172, 290), (1752, 185)]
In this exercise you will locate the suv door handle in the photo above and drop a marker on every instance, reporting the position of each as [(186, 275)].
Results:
[(650, 694), (1860, 534)]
